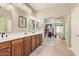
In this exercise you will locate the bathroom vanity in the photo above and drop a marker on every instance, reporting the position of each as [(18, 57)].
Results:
[(22, 45)]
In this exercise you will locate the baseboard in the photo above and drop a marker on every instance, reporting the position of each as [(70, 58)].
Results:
[(72, 51)]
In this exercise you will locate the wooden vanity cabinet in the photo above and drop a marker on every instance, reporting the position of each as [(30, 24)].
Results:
[(17, 47), (37, 40), (5, 49), (20, 47), (27, 45), (33, 42), (40, 38)]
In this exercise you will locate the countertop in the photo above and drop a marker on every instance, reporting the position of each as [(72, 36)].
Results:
[(16, 36)]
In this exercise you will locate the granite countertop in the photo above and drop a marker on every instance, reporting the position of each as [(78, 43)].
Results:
[(16, 36)]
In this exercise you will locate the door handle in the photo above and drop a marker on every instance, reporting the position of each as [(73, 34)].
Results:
[(77, 35)]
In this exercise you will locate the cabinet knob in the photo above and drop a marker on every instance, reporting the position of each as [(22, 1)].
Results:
[(8, 49), (77, 35), (5, 53), (13, 47)]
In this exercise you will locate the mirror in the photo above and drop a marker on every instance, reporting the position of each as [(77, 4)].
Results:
[(37, 25), (4, 18), (32, 25), (13, 20), (2, 24)]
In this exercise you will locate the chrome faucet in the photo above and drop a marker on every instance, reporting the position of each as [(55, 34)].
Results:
[(2, 35)]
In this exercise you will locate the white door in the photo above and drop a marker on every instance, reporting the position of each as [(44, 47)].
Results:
[(75, 30)]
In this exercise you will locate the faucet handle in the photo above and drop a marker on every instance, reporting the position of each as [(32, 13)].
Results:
[(6, 35)]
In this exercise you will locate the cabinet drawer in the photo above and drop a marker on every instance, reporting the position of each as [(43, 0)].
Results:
[(33, 37), (28, 38), (5, 51), (5, 44), (17, 41)]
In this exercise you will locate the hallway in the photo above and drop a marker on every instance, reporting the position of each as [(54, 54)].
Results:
[(39, 29), (57, 48), (49, 41)]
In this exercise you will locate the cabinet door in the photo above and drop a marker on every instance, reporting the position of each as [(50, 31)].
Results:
[(28, 45), (37, 40), (33, 42), (17, 47), (5, 49), (40, 38)]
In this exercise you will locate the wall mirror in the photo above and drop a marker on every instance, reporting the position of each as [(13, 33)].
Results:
[(12, 19), (37, 25), (2, 24), (32, 25), (4, 19)]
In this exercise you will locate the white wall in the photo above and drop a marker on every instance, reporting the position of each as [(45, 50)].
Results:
[(75, 30)]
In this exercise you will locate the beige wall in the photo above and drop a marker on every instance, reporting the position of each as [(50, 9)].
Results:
[(58, 12), (53, 12), (15, 12), (67, 19), (75, 30)]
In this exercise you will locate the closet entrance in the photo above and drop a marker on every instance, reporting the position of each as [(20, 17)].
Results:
[(49, 30), (53, 29)]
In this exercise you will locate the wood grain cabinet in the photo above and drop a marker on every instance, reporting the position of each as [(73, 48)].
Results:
[(20, 47), (37, 40), (33, 42), (40, 38), (5, 49), (27, 45), (17, 47)]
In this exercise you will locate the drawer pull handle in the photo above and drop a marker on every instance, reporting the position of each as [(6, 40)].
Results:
[(8, 49), (77, 35)]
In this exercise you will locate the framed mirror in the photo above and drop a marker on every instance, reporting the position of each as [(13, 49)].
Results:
[(31, 25), (37, 25)]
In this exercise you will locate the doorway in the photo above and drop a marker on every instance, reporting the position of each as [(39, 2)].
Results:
[(53, 29), (60, 30)]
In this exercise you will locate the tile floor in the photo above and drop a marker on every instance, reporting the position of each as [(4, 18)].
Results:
[(52, 47)]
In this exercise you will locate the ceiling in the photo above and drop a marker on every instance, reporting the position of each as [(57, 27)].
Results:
[(41, 6)]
